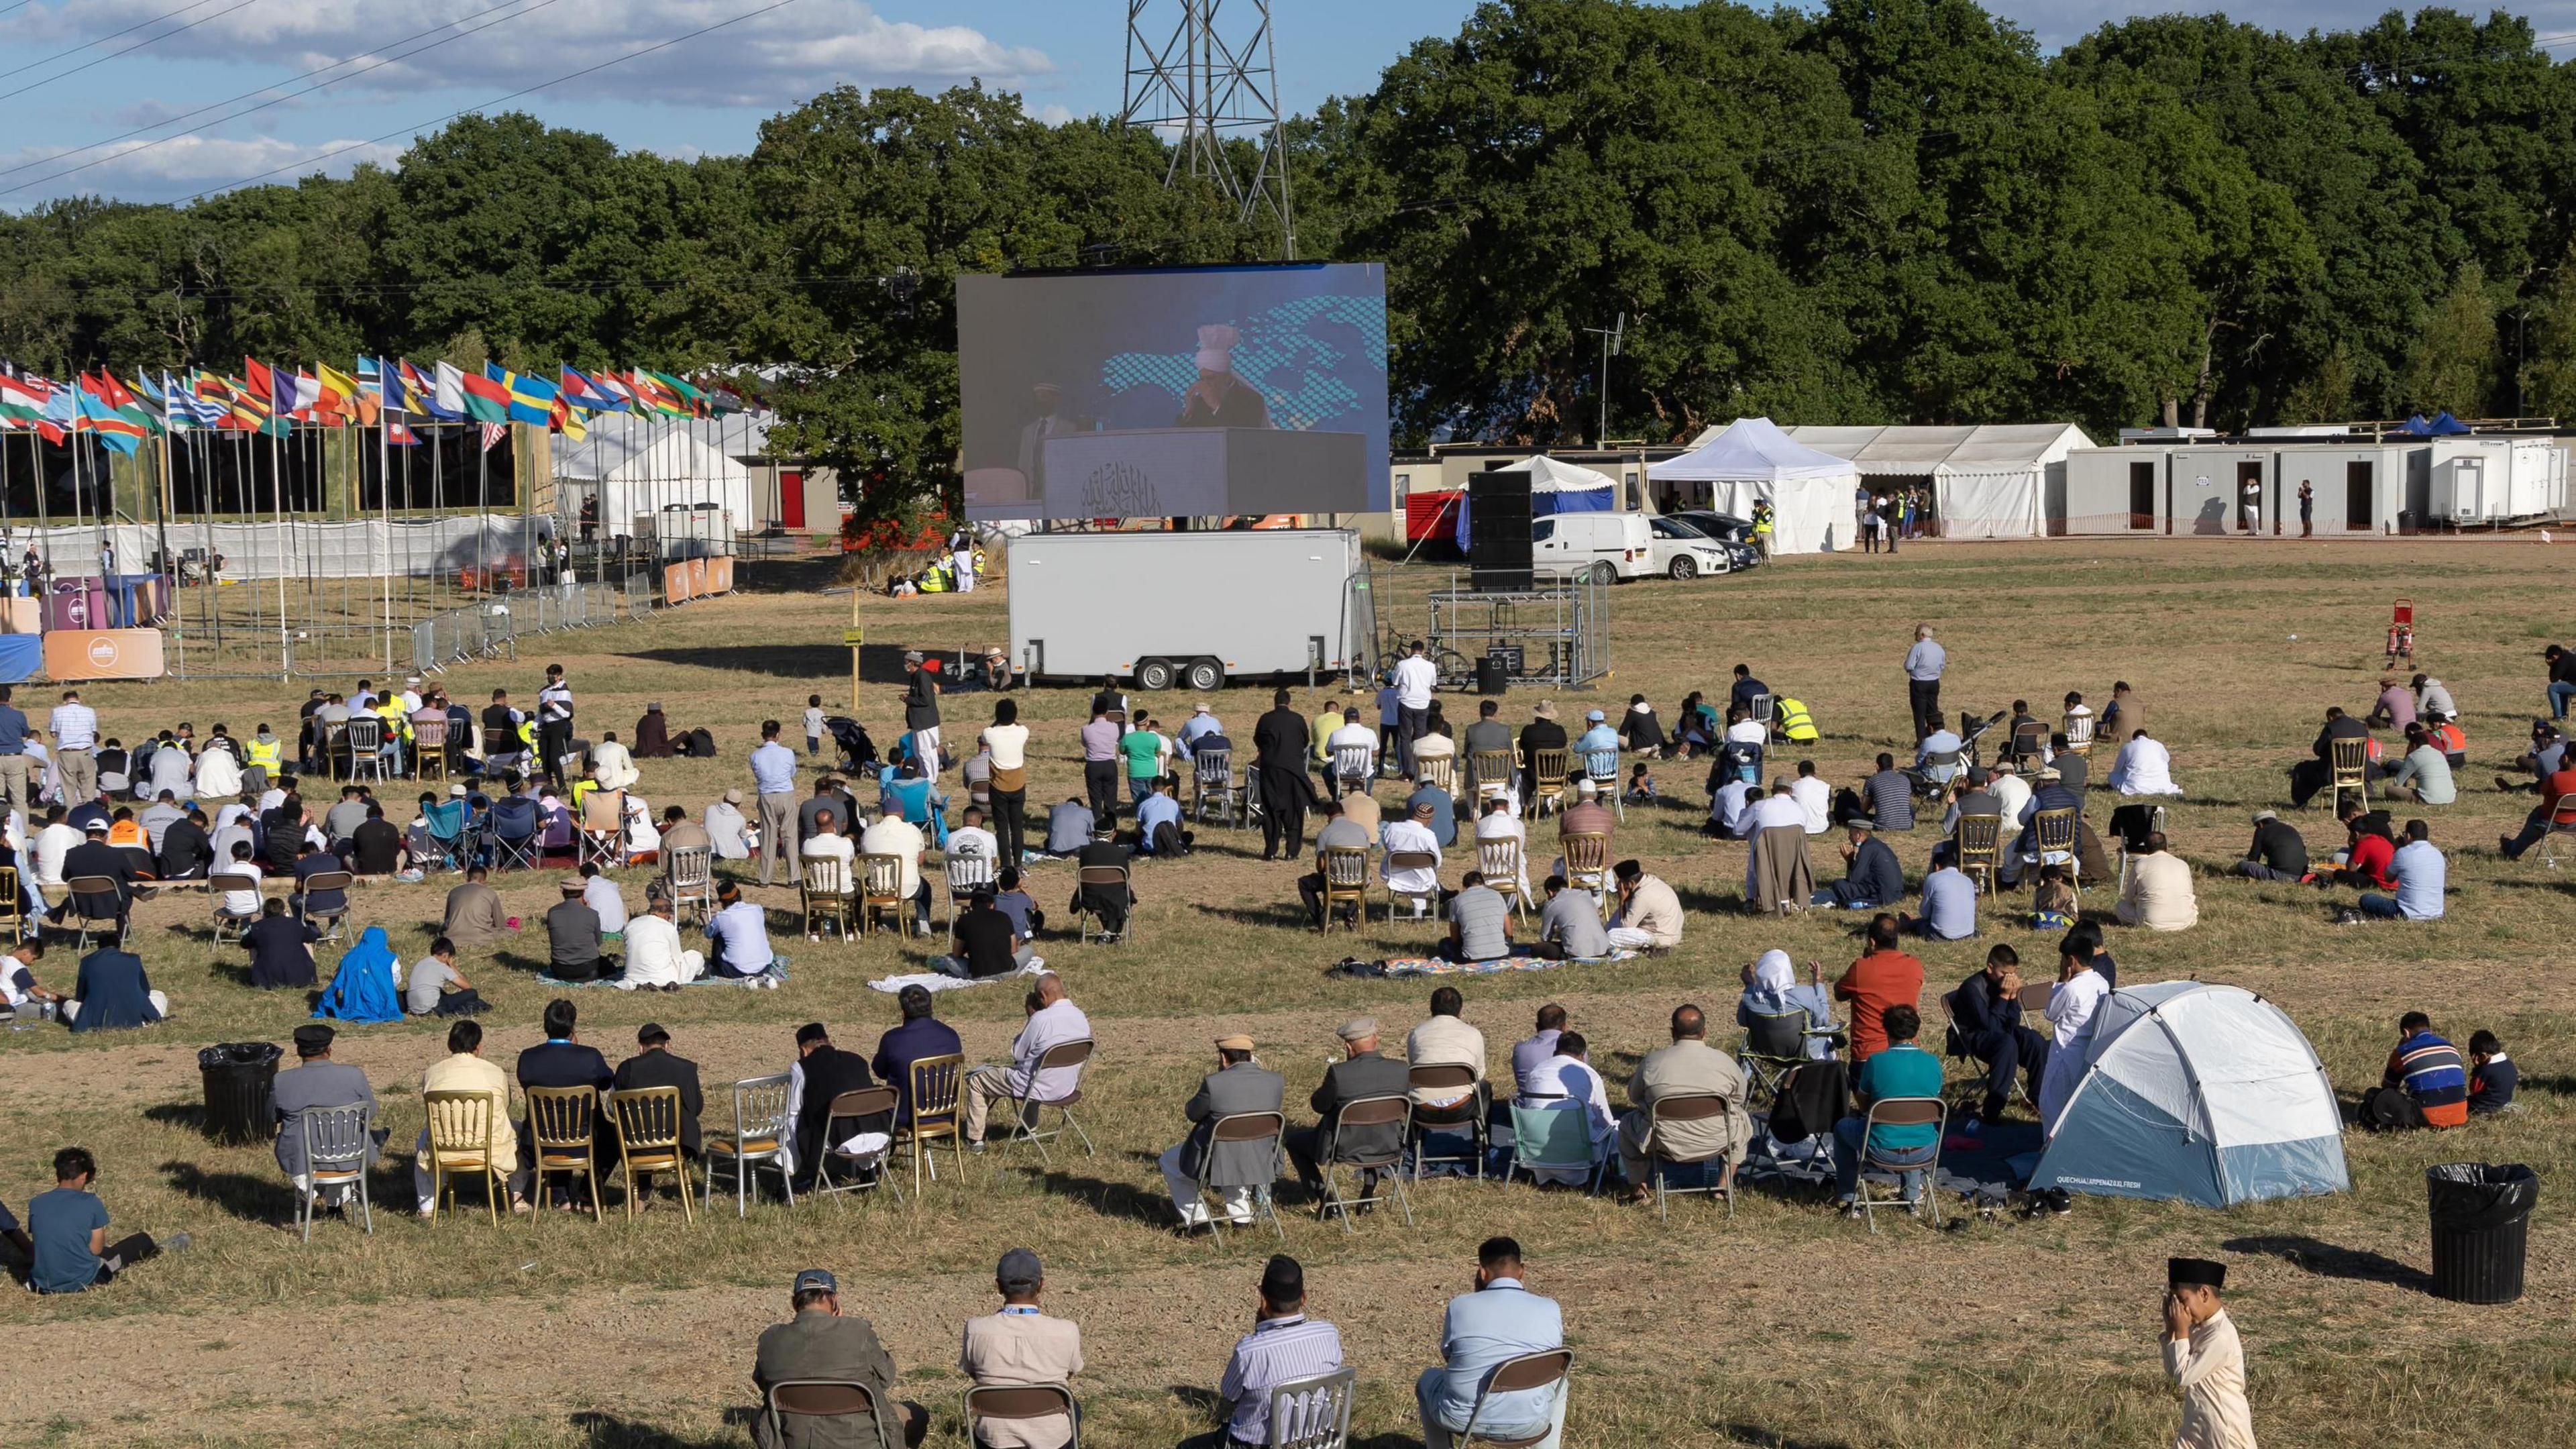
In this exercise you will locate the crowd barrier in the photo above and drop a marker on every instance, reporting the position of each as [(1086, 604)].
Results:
[(492, 629)]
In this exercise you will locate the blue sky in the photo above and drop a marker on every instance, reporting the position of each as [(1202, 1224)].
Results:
[(100, 92)]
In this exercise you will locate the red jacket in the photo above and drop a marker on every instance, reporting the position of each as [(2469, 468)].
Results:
[(2372, 855)]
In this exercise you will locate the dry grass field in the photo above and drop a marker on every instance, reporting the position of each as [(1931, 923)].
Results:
[(1782, 1327)]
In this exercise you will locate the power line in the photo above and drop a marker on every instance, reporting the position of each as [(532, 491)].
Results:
[(512, 96), (104, 39), (276, 101), (129, 50)]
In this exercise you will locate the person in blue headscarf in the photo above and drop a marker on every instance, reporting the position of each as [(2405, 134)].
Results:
[(364, 986)]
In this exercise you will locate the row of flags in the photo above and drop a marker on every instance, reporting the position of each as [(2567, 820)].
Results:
[(390, 393)]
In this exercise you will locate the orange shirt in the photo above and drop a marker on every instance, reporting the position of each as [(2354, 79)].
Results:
[(1874, 983)]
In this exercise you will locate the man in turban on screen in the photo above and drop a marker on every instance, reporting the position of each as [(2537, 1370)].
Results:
[(1219, 399)]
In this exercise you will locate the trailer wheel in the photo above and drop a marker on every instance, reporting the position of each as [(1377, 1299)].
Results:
[(1604, 573), (1154, 675), (1207, 676)]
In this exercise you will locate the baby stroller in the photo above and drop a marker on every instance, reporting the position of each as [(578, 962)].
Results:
[(858, 752)]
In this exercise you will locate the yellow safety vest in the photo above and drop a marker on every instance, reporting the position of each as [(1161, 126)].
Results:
[(397, 723), (1793, 722), (266, 756)]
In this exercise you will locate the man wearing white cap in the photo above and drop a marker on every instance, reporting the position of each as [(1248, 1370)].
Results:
[(1219, 399), (725, 827)]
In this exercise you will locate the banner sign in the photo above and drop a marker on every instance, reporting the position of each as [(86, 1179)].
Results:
[(103, 654)]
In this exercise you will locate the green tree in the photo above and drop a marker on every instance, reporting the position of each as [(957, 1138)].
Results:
[(2453, 364)]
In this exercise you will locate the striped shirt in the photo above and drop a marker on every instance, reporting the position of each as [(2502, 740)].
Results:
[(2429, 1069), (1276, 1351)]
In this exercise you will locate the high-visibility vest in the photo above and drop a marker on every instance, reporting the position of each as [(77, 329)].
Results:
[(1791, 720), (266, 756)]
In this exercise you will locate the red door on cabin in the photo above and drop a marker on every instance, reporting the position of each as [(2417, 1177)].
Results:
[(791, 500)]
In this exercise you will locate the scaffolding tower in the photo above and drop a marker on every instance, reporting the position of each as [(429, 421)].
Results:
[(1201, 72)]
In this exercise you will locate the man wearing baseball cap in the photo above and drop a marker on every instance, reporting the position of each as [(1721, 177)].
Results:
[(1364, 1072), (1019, 1345), (821, 1342), (1238, 1085)]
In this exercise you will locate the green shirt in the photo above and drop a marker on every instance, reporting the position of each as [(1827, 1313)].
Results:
[(1144, 752), (1903, 1070)]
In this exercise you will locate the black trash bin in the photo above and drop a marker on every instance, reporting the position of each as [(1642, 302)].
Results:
[(239, 1076), (1492, 673), (2481, 1226)]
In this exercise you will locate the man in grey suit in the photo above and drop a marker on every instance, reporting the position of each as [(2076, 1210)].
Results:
[(317, 1082), (1363, 1073), (1239, 1084), (1689, 1067), (818, 1343)]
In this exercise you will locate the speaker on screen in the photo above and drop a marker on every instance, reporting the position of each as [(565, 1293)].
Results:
[(1498, 531)]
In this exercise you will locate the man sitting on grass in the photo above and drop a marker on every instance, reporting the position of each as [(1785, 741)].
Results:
[(1480, 922), (67, 1232), (2420, 871), (2425, 1085), (2158, 895)]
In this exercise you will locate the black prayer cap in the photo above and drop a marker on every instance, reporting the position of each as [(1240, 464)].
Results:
[(2185, 1272), (1283, 1280), (313, 1039)]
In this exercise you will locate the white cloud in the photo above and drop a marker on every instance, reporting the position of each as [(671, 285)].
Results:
[(773, 60), (1053, 115), (134, 171), (2059, 23)]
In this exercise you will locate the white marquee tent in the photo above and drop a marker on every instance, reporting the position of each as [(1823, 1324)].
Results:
[(1752, 460), (644, 467), (1554, 488), (1990, 481)]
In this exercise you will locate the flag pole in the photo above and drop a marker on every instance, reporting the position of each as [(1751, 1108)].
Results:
[(385, 502), (277, 509)]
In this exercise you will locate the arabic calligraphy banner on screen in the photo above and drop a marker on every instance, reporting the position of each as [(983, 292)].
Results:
[(1180, 391)]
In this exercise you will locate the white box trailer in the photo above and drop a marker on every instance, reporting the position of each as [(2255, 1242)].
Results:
[(1187, 609), (2493, 480)]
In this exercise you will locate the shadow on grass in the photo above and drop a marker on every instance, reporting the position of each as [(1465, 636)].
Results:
[(1742, 1433), (252, 1199), (1113, 1199), (2325, 1260), (608, 1431), (1286, 913), (878, 663), (191, 1115)]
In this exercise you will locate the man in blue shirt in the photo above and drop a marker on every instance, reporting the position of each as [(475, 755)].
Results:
[(1158, 822), (67, 1229), (773, 776), (1949, 901), (1923, 665), (1444, 810), (1594, 740), (1197, 727), (1501, 1320), (740, 929), (1903, 1069), (1283, 1346), (2421, 872), (921, 1037)]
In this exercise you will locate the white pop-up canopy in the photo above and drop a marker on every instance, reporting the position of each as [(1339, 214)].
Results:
[(1810, 492), (1554, 488), (640, 466)]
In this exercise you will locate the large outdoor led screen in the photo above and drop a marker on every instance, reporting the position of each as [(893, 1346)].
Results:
[(1170, 392)]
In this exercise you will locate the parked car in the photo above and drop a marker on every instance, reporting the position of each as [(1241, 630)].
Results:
[(1683, 552), (1607, 546), (1736, 533)]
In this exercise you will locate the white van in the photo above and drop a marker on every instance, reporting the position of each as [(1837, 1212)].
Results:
[(1609, 546)]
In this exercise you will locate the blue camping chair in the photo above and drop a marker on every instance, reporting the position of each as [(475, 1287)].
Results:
[(447, 821), (512, 829)]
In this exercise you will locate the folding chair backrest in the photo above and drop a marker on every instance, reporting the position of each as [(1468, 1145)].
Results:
[(1548, 768), (692, 867), (603, 811), (1016, 1401), (936, 1083), (1440, 1076), (328, 880), (760, 1107), (970, 873), (1694, 1107), (335, 1137), (1312, 1413), (881, 877), (1491, 766), (1586, 852), (1441, 770), (429, 731), (366, 733), (648, 1119), (1602, 766), (1345, 866), (1558, 1137), (1529, 1371), (1498, 859), (447, 819), (13, 902), (565, 1117), (2079, 730), (516, 817), (864, 1102), (216, 885), (1351, 762), (1781, 1037), (2034, 996), (1900, 1112), (1248, 1127), (823, 1398), (1065, 1054), (460, 1125), (1978, 835), (2350, 757), (824, 875), (1370, 1112), (1413, 860), (1213, 769), (1761, 706), (1100, 875), (2054, 830)]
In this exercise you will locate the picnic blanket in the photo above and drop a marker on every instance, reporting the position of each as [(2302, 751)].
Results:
[(1400, 967), (772, 978), (935, 981)]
